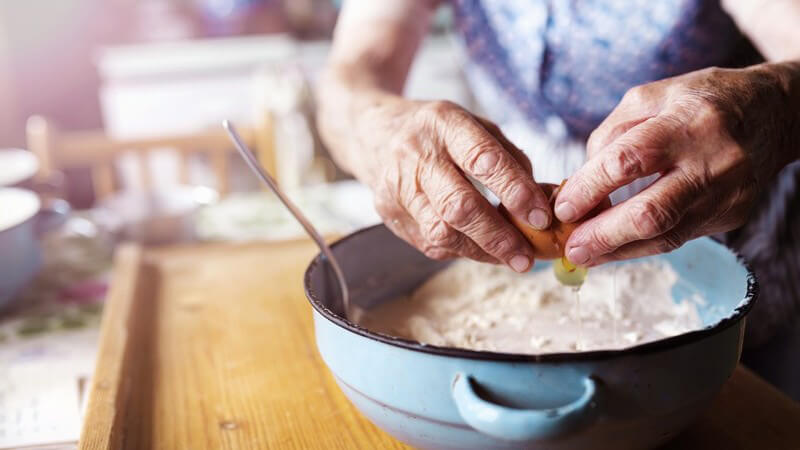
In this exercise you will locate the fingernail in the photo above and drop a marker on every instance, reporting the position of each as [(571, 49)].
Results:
[(539, 219), (566, 212), (578, 255), (520, 263), (486, 163)]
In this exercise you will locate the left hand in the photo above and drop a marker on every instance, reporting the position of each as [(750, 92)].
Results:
[(715, 136)]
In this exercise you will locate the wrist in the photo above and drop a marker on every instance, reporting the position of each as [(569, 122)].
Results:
[(351, 109), (786, 76)]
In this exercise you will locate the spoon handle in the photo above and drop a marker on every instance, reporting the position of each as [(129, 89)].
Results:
[(254, 165)]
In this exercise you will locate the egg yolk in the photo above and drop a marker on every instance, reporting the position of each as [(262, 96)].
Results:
[(567, 273)]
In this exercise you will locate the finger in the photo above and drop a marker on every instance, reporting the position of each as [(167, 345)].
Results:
[(652, 213), (481, 156), (457, 202), (404, 226), (639, 249), (399, 221), (440, 240), (643, 150), (608, 131), (707, 217), (690, 228), (509, 146), (639, 104)]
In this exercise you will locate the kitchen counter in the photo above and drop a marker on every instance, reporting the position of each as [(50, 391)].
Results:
[(212, 346)]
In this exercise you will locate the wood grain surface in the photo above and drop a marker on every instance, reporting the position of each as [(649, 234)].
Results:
[(213, 347)]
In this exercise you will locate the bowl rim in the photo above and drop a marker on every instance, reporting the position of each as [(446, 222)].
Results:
[(28, 195), (28, 157), (735, 317)]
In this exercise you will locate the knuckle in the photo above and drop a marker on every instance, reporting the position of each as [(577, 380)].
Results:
[(707, 116), (385, 208), (624, 164), (480, 255), (389, 180), (713, 71), (499, 245), (596, 140), (436, 253), (438, 108), (459, 207), (695, 181), (439, 234), (669, 242), (651, 219), (634, 94), (583, 186), (601, 241), (416, 204), (516, 196), (485, 152)]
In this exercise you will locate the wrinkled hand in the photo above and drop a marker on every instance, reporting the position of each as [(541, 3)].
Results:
[(714, 136), (416, 157)]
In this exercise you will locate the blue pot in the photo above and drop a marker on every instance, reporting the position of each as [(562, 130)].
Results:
[(435, 397), (20, 252)]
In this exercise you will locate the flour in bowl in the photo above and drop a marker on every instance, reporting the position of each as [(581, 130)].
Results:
[(486, 307)]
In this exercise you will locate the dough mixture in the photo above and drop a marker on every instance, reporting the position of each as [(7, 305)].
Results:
[(486, 307)]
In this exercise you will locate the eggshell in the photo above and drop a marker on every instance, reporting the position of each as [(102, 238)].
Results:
[(550, 243)]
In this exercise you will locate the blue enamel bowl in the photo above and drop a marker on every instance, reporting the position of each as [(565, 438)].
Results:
[(20, 249), (437, 397)]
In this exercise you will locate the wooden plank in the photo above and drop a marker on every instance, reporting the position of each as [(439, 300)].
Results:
[(265, 147), (748, 414), (106, 391), (227, 358), (103, 180), (40, 135), (85, 148), (213, 347)]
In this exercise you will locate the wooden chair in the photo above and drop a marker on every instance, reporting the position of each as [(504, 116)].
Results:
[(58, 150)]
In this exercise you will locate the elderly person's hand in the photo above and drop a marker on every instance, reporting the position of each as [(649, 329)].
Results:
[(715, 137), (417, 156)]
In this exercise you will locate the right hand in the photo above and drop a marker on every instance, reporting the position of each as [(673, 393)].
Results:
[(416, 157)]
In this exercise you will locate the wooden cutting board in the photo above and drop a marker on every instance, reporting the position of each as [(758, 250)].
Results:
[(213, 347)]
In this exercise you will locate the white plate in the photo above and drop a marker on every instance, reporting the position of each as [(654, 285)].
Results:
[(16, 165), (17, 206)]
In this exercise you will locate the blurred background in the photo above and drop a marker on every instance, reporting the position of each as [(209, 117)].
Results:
[(158, 69), (110, 131)]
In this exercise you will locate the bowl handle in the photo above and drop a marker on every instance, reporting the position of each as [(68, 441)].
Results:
[(524, 424)]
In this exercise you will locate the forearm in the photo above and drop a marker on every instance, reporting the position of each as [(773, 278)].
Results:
[(788, 74), (346, 96), (764, 114), (372, 53), (772, 26)]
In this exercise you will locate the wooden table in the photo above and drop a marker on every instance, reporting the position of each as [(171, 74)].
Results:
[(213, 347)]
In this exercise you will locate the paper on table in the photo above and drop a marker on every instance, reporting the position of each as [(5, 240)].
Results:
[(42, 383), (36, 407)]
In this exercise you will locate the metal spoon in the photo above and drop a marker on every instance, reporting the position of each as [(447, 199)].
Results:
[(254, 165)]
